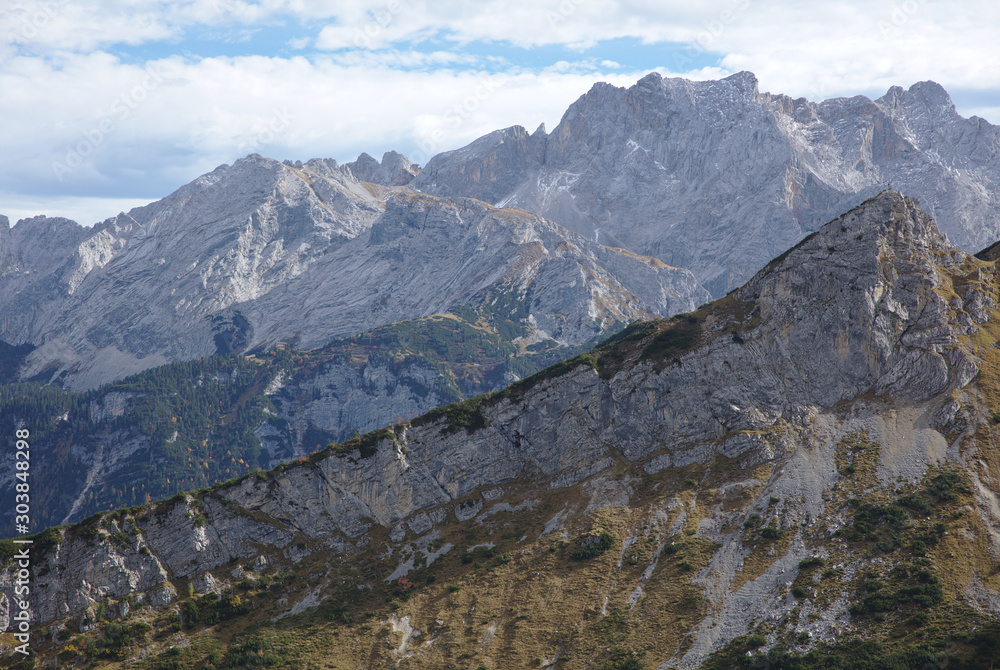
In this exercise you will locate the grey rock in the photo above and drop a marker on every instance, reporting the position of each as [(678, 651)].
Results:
[(420, 523), (394, 170), (164, 282), (716, 177), (205, 583), (263, 252), (398, 532), (468, 509)]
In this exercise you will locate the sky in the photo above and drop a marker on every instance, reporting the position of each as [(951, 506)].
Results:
[(110, 104)]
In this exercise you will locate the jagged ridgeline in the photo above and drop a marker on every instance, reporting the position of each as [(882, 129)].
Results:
[(718, 177), (802, 474), (186, 426)]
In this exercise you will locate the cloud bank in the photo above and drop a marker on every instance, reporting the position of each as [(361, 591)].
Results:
[(110, 102)]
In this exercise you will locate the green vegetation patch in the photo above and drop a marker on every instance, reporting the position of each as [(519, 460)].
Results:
[(634, 332), (212, 608), (457, 416), (594, 546), (366, 445), (681, 335), (891, 526), (972, 650), (116, 640)]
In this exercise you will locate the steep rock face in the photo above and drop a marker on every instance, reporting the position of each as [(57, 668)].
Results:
[(882, 325), (717, 177), (873, 326), (426, 255), (341, 399), (395, 169), (163, 282), (262, 252), (33, 256), (490, 168)]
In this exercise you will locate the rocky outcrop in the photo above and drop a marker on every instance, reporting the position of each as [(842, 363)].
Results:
[(864, 326), (395, 169), (716, 177), (142, 288)]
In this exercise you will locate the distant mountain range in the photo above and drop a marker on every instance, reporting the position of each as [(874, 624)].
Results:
[(718, 178), (263, 252), (712, 178)]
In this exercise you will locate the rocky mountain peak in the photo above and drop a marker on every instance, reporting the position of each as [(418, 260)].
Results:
[(231, 236), (889, 224), (745, 81), (45, 225), (868, 287), (487, 168), (922, 102), (35, 248), (933, 94), (651, 80), (395, 169)]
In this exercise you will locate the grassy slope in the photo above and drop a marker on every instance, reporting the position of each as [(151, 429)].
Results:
[(534, 597)]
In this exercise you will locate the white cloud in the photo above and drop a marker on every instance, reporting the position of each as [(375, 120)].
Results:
[(81, 209), (414, 86), (64, 25), (833, 49), (988, 113), (97, 127)]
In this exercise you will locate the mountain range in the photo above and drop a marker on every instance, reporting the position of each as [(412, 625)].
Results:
[(262, 252), (719, 178), (807, 466), (486, 413), (711, 177)]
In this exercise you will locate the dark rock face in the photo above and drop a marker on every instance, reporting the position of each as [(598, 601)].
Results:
[(717, 177)]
